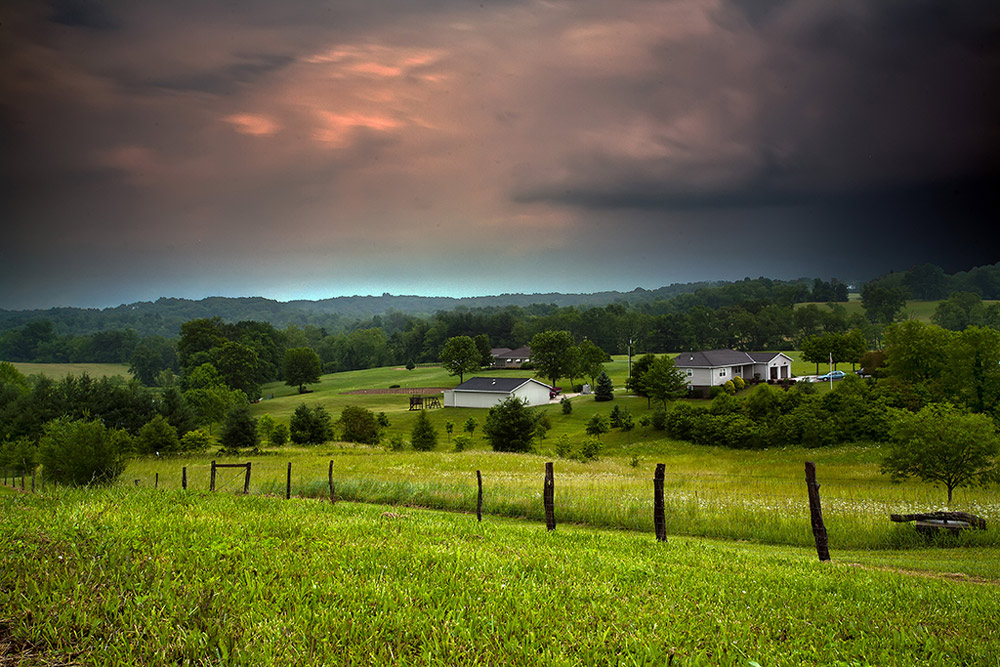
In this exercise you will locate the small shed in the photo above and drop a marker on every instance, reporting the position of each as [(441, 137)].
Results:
[(485, 392)]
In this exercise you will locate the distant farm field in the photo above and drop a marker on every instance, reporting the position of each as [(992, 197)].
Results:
[(140, 577), (59, 371)]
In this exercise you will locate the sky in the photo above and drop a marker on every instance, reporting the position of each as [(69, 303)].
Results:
[(309, 149)]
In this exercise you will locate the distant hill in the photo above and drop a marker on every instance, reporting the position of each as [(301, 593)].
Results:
[(164, 316)]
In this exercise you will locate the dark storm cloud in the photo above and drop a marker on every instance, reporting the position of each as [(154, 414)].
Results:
[(150, 146)]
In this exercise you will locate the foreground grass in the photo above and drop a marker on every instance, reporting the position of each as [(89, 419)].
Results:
[(125, 577), (757, 496)]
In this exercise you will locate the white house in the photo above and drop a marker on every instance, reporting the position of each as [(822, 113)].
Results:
[(504, 357), (712, 368), (481, 392)]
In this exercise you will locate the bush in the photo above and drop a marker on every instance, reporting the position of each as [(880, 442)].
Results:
[(197, 441), (462, 442), (82, 452), (396, 442), (510, 426), (279, 435), (310, 426), (590, 449), (424, 437), (598, 425), (563, 446), (239, 431), (659, 419), (567, 405), (158, 436), (360, 425), (739, 383)]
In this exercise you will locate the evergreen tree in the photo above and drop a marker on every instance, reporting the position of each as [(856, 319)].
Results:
[(423, 437), (605, 389)]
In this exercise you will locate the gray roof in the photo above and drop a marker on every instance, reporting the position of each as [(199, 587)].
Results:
[(716, 358), (499, 385), (519, 353), (712, 359)]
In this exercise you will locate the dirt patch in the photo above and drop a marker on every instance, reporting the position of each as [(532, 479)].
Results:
[(399, 390)]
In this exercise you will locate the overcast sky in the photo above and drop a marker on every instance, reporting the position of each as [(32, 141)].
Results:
[(309, 149)]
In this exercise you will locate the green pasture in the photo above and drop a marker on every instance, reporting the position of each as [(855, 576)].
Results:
[(59, 371), (140, 577)]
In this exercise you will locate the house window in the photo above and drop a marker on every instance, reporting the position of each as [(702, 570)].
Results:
[(722, 373), (690, 372)]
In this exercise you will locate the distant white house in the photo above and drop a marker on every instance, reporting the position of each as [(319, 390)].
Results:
[(504, 357), (713, 368), (480, 392)]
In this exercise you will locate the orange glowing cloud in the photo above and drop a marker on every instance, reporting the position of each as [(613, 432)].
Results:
[(256, 125)]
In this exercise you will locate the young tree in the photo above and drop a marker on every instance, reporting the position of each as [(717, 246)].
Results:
[(471, 424), (943, 445), (592, 359), (460, 356), (302, 366), (598, 425), (510, 426), (423, 437), (663, 381)]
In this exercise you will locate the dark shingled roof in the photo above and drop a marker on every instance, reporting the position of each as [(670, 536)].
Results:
[(716, 358), (500, 385)]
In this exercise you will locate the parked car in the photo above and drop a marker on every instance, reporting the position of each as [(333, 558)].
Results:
[(832, 375)]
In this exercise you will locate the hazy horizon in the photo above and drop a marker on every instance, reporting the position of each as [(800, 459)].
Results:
[(312, 150)]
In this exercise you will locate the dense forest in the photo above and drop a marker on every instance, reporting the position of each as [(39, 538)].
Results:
[(752, 314)]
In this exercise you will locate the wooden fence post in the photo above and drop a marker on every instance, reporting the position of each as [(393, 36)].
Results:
[(32, 481), (329, 477), (246, 480), (816, 513), (548, 497), (288, 482), (156, 482), (479, 497), (184, 478), (211, 484), (659, 520)]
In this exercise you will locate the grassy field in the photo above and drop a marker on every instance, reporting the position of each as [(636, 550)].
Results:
[(139, 577), (59, 371)]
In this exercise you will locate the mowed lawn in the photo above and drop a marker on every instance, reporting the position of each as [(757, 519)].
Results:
[(141, 577), (59, 371)]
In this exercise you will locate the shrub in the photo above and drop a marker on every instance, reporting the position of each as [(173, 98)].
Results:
[(659, 419), (239, 431), (729, 387), (360, 425), (279, 435), (563, 446), (510, 426), (197, 441), (310, 426), (157, 435), (739, 383), (590, 449), (82, 452), (424, 437), (396, 442), (462, 442), (567, 405), (597, 425)]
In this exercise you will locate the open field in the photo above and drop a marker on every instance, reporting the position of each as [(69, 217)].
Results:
[(59, 371), (129, 577)]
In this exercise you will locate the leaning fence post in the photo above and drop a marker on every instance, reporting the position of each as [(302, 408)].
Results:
[(329, 477), (548, 497), (479, 497), (211, 484), (288, 482), (659, 520), (246, 480), (816, 513), (156, 482), (184, 478)]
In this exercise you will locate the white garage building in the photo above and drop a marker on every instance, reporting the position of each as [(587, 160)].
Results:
[(486, 392)]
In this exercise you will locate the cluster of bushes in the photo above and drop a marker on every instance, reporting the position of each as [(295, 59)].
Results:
[(768, 417)]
